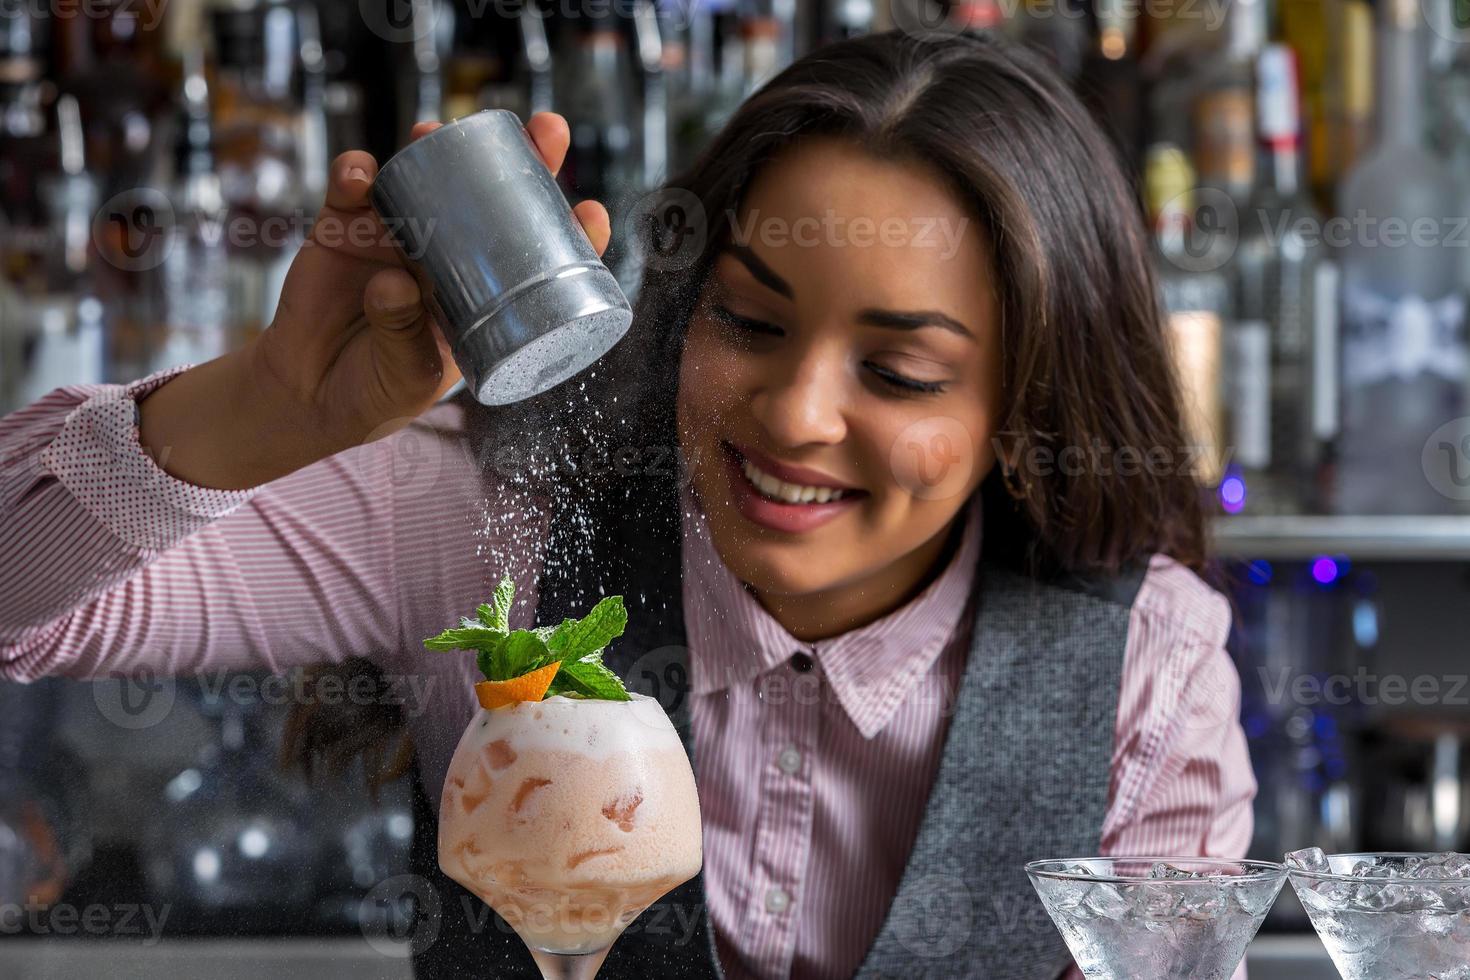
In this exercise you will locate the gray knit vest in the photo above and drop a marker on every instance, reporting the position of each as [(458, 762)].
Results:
[(1023, 776)]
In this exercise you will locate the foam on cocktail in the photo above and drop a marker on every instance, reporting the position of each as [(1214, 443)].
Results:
[(570, 816)]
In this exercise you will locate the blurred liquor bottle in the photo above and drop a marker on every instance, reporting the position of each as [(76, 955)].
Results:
[(1222, 106), (1055, 29), (1348, 96), (1304, 27), (28, 147), (1282, 366), (54, 332), (1449, 130), (194, 324), (1110, 81), (1195, 298), (269, 147), (762, 41), (598, 91), (843, 19), (697, 96), (1403, 304), (648, 38), (113, 61)]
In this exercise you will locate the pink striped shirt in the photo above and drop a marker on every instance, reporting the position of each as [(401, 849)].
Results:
[(811, 783)]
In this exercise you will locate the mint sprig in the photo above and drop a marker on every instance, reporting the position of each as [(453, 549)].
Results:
[(502, 653)]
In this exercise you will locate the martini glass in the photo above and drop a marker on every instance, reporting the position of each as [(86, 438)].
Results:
[(1166, 918), (1388, 916), (569, 817)]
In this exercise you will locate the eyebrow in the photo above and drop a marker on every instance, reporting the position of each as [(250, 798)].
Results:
[(891, 319)]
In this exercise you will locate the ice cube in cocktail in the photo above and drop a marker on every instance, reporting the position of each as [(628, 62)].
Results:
[(1388, 916), (569, 817), (1166, 918)]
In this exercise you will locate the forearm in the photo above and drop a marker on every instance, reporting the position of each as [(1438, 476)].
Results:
[(82, 506), (157, 579), (225, 425)]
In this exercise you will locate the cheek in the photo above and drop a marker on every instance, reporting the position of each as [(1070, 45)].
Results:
[(939, 457), (709, 378)]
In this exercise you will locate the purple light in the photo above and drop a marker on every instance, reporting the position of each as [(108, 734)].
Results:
[(1324, 570), (1232, 494)]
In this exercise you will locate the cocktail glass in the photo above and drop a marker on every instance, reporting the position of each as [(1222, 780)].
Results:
[(569, 817), (1388, 916), (1166, 918)]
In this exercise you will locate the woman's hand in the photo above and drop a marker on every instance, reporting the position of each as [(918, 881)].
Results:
[(350, 356)]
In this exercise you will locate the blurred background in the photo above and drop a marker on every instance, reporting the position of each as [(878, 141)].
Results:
[(1303, 167)]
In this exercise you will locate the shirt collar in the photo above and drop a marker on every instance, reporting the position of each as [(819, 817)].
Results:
[(871, 669)]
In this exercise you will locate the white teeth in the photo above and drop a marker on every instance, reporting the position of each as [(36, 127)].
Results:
[(791, 493)]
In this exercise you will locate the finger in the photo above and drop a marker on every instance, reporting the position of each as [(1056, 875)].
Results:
[(423, 129), (551, 135), (392, 300), (350, 177), (596, 223)]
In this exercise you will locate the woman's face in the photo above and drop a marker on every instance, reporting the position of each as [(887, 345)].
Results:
[(840, 379)]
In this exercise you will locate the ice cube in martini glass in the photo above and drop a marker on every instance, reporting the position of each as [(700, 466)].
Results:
[(1388, 916), (1166, 918)]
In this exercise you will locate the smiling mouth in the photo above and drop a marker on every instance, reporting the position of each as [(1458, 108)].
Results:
[(780, 491)]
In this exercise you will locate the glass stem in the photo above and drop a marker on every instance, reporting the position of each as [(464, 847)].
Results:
[(568, 966)]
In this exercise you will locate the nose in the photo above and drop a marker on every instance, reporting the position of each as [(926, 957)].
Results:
[(802, 402)]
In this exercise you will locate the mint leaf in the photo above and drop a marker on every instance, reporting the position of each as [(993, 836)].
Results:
[(502, 654), (469, 635), (497, 614), (522, 653), (588, 678), (576, 638)]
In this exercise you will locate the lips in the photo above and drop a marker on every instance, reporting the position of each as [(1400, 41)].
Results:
[(784, 497)]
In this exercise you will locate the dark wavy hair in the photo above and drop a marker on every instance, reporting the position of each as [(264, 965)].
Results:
[(1085, 356)]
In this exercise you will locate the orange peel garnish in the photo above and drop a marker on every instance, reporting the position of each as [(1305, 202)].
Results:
[(527, 687)]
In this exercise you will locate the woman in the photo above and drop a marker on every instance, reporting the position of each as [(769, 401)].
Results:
[(931, 574)]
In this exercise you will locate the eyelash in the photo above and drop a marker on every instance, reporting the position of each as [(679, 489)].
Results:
[(899, 382)]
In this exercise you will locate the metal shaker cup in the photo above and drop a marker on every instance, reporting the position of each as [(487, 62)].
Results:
[(523, 298)]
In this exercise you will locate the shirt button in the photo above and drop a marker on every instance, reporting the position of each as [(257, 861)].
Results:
[(789, 760), (801, 662), (777, 901)]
